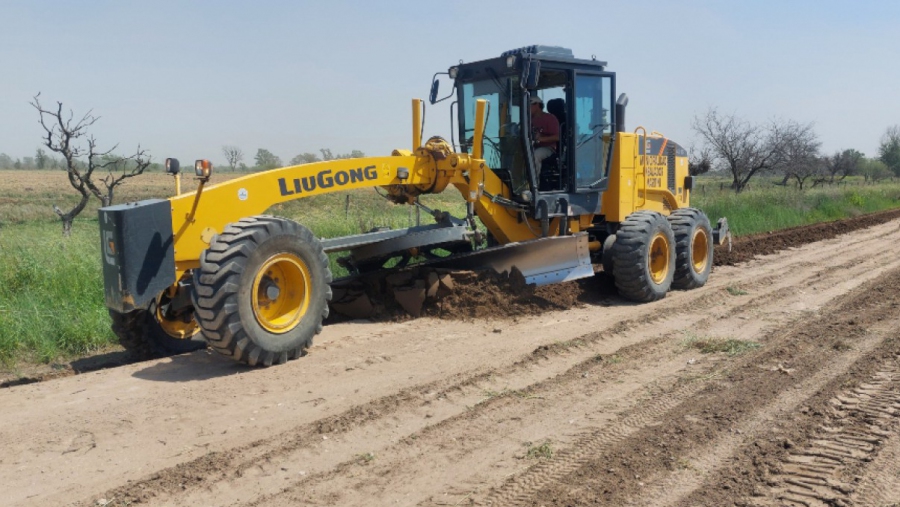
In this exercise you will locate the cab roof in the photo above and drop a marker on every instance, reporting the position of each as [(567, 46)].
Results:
[(553, 53)]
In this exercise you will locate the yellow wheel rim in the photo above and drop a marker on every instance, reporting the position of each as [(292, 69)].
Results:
[(699, 251), (658, 260), (281, 293), (176, 328)]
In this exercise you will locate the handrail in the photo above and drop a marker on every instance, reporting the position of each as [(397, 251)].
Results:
[(640, 160)]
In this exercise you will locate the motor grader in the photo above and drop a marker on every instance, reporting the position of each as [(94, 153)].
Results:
[(209, 266)]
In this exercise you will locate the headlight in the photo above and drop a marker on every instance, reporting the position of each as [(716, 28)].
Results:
[(511, 61), (172, 166), (453, 72), (203, 169)]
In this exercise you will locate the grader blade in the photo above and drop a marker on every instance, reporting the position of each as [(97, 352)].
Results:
[(542, 261)]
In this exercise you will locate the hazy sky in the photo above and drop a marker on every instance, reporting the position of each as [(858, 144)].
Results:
[(184, 80)]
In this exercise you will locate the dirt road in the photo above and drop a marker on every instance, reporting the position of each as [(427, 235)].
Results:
[(776, 384)]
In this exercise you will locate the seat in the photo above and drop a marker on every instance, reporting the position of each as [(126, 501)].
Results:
[(553, 167)]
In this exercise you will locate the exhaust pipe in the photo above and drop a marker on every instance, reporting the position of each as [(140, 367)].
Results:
[(620, 112)]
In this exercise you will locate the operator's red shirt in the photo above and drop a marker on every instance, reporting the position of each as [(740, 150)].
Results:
[(545, 125)]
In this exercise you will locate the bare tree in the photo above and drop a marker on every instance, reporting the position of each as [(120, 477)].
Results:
[(799, 153), (117, 170), (63, 135), (840, 165), (745, 149), (233, 155)]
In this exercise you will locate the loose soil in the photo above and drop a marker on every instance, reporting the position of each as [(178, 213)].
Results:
[(778, 383)]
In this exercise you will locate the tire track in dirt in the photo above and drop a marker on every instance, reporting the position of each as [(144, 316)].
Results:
[(650, 454), (880, 484), (243, 459), (713, 455), (824, 282), (489, 421), (862, 267), (592, 448), (860, 420)]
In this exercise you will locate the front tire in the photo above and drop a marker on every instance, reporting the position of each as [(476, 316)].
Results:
[(644, 257), (262, 290), (693, 248)]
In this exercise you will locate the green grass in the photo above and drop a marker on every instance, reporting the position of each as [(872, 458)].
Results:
[(734, 290), (767, 207), (51, 293), (543, 451), (712, 345)]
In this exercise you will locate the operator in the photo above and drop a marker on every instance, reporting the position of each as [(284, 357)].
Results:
[(544, 132)]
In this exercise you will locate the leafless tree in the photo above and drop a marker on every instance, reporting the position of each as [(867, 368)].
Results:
[(118, 169), (233, 155), (743, 148), (839, 165), (67, 136), (799, 153)]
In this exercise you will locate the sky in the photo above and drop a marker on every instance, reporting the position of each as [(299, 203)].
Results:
[(183, 79)]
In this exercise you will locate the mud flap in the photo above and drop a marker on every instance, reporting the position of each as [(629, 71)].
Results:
[(542, 261)]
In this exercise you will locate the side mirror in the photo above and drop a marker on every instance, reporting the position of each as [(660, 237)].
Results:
[(172, 166), (435, 86), (531, 74)]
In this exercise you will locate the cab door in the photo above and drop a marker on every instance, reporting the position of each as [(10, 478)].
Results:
[(592, 129)]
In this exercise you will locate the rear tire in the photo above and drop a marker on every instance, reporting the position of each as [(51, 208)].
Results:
[(644, 257), (262, 290), (693, 248), (155, 332), (606, 255)]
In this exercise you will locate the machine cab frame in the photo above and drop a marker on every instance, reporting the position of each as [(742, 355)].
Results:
[(582, 94)]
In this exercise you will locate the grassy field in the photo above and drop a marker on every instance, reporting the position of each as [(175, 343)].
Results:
[(768, 207), (51, 288)]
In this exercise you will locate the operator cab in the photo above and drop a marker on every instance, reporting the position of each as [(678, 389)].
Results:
[(578, 93)]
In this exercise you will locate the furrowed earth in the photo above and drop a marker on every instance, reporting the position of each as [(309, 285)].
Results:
[(777, 383)]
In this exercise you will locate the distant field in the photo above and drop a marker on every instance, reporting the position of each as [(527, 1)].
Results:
[(30, 195)]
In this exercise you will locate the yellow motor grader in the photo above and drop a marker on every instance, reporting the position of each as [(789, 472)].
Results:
[(210, 267)]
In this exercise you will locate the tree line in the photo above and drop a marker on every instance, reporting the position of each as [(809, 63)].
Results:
[(234, 158), (784, 148), (265, 159)]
